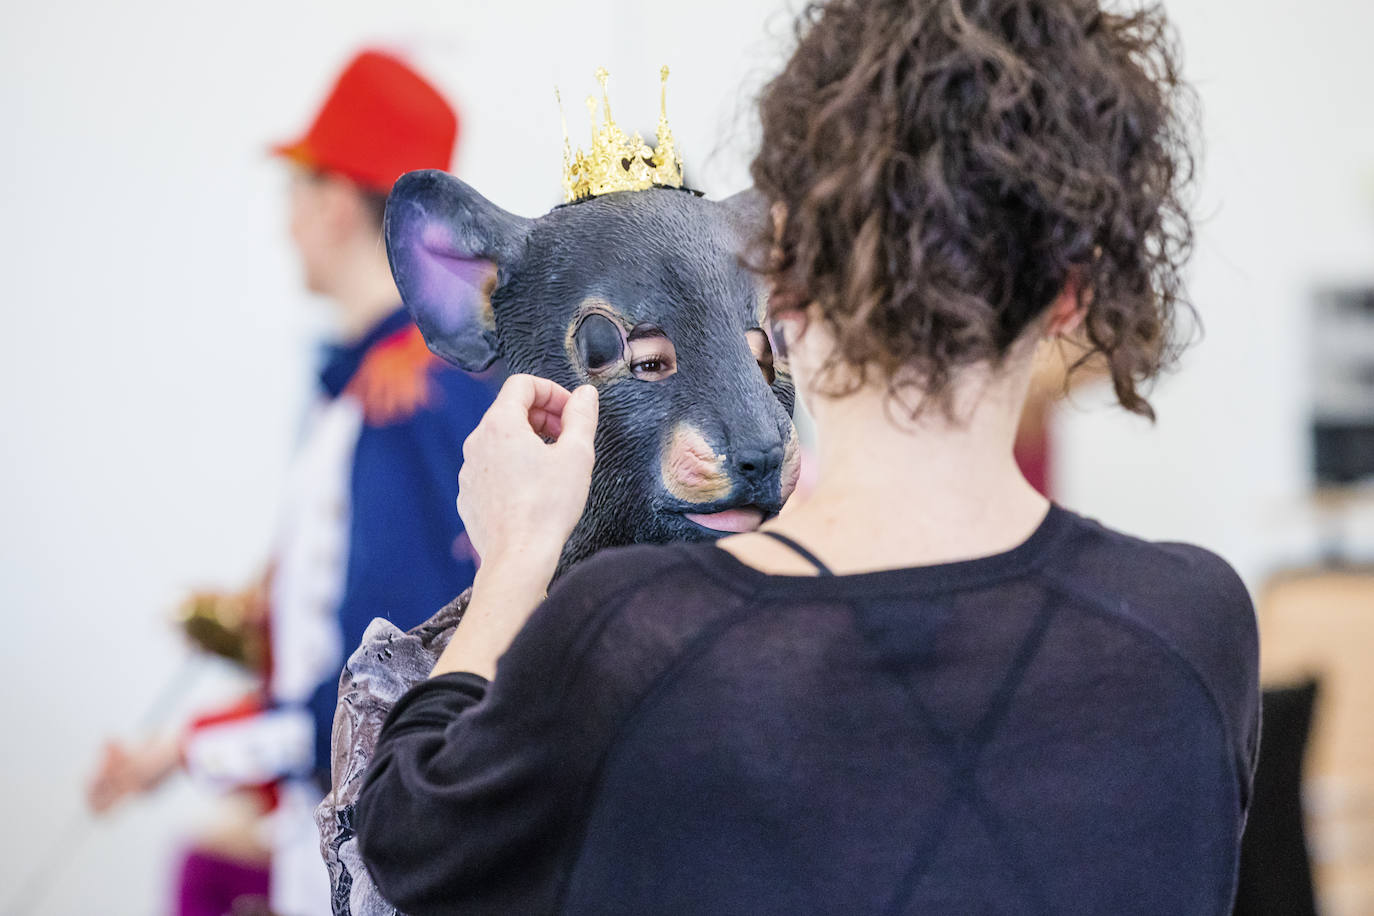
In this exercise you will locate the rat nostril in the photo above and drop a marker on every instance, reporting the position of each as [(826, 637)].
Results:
[(756, 464)]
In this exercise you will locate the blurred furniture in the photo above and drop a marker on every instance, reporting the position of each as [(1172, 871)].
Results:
[(1342, 367), (1275, 873), (1320, 623)]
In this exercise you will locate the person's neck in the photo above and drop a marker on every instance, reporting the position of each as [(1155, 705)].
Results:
[(363, 294), (896, 492)]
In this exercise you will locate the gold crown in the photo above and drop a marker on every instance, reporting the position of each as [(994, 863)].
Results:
[(617, 162)]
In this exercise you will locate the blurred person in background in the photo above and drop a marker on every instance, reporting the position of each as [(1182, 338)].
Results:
[(367, 528)]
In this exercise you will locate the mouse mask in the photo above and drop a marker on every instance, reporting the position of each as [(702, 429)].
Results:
[(642, 294), (635, 287)]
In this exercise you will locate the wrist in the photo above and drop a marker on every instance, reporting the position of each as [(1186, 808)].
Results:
[(527, 563), (509, 585)]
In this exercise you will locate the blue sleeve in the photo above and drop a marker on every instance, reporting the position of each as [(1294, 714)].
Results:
[(407, 556)]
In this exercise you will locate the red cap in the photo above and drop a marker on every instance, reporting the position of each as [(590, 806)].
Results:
[(381, 120)]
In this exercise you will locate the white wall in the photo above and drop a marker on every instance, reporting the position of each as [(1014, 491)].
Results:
[(1286, 205), (156, 348)]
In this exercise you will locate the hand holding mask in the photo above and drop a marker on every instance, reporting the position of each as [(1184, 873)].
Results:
[(526, 472)]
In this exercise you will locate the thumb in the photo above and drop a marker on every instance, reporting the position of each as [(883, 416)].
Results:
[(579, 417)]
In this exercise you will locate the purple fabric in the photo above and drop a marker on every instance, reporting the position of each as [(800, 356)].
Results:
[(209, 885)]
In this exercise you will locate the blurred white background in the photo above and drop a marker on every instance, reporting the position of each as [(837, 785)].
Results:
[(156, 348)]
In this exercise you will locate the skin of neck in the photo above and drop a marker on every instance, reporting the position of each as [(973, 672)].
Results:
[(895, 490), (360, 285)]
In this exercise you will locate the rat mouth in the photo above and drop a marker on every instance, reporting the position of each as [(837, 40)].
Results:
[(729, 521), (735, 514)]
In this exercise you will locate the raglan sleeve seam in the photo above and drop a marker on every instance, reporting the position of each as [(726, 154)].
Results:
[(1231, 730)]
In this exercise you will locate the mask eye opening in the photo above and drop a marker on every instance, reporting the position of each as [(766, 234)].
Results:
[(762, 349), (653, 357), (600, 344)]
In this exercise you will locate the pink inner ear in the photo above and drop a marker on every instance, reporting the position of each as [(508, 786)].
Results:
[(446, 290), (437, 250), (435, 236), (471, 271), (436, 239)]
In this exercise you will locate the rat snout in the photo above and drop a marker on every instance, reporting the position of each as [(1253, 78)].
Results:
[(690, 470), (754, 466), (698, 475)]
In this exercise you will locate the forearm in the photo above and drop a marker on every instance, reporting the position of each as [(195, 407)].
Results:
[(415, 828), (526, 474), (505, 592)]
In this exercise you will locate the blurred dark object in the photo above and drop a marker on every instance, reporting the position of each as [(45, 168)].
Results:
[(1343, 386), (232, 625), (1275, 873), (1319, 621), (1343, 452)]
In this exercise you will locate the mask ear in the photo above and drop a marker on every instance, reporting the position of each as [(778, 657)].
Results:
[(747, 213), (448, 245)]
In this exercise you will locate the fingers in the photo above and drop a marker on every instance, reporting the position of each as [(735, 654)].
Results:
[(107, 786), (548, 407), (530, 401), (546, 424), (579, 417), (524, 393), (548, 396), (102, 796)]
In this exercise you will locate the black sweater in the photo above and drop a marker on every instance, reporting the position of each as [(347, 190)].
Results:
[(1068, 727)]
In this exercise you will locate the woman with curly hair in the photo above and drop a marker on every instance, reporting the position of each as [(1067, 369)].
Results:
[(926, 689)]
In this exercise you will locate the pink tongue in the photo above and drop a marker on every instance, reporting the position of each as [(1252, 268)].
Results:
[(730, 520)]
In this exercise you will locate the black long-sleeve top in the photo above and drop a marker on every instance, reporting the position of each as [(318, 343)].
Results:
[(1068, 727)]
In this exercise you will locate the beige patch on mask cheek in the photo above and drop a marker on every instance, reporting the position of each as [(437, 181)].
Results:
[(791, 466), (691, 470), (594, 304)]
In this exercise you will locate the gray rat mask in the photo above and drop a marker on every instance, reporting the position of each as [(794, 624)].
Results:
[(642, 294)]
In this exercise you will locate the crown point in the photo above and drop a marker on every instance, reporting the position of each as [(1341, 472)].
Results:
[(618, 162)]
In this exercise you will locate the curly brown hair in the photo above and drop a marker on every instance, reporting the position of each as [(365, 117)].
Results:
[(946, 167)]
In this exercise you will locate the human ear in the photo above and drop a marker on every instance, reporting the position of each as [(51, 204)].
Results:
[(449, 247), (1066, 312)]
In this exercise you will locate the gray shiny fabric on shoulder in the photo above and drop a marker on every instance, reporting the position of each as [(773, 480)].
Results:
[(387, 663)]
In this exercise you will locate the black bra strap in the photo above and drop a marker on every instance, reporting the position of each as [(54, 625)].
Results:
[(801, 551)]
